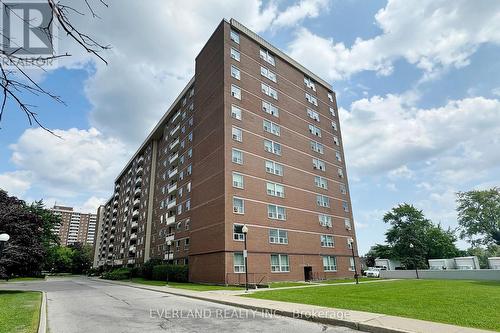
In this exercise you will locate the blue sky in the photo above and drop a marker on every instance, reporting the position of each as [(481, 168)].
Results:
[(417, 83)]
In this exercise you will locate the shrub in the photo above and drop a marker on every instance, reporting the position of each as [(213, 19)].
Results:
[(176, 273), (118, 274), (147, 268)]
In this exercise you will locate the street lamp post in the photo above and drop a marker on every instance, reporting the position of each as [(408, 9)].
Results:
[(169, 243), (245, 255), (351, 243), (4, 238), (415, 259)]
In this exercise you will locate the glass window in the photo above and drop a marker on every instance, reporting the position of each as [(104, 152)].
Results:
[(329, 263), (340, 173), (235, 54), (334, 125), (336, 141), (237, 134), (351, 264), (325, 220), (343, 189), (269, 108), (309, 83), (264, 54), (347, 224), (235, 72), (235, 36), (274, 168), (237, 156), (235, 112), (278, 236), (269, 91), (275, 190), (266, 72), (317, 147), (315, 130), (279, 263), (239, 262), (238, 206), (237, 180), (272, 147), (327, 241), (311, 99), (319, 164), (276, 212), (235, 91), (271, 127), (330, 97), (322, 201), (332, 112), (238, 232), (321, 182), (345, 206), (313, 115)]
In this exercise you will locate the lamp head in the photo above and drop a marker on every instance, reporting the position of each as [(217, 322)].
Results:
[(412, 246), (244, 229), (169, 242), (4, 237)]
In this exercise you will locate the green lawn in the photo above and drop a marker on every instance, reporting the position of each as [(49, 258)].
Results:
[(19, 311), (287, 284), (21, 279), (361, 279), (464, 303), (186, 285)]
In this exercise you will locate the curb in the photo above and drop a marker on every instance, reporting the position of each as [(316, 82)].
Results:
[(42, 323), (316, 319)]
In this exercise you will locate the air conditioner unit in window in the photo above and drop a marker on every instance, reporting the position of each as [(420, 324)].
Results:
[(236, 209), (235, 137)]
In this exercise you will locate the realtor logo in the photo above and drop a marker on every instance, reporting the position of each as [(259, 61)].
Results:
[(27, 30)]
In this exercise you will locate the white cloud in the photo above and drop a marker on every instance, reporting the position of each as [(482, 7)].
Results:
[(298, 12), (82, 161), (454, 142), (401, 172), (16, 183), (433, 35), (91, 205)]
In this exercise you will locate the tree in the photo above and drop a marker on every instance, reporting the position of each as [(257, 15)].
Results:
[(410, 226), (16, 81), (479, 216), (81, 260), (483, 254)]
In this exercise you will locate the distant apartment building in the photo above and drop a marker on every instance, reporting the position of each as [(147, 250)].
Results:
[(75, 227), (254, 139)]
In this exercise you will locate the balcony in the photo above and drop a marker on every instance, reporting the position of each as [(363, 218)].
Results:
[(173, 144), (173, 158), (139, 170), (170, 220), (175, 130), (110, 247), (122, 241), (115, 211), (168, 256), (116, 195), (175, 117), (137, 202), (134, 225), (132, 248), (135, 213), (172, 173), (133, 236), (137, 192), (172, 187), (131, 261), (113, 228), (140, 160), (117, 186), (138, 181), (115, 203), (169, 237), (127, 190), (121, 251), (171, 203)]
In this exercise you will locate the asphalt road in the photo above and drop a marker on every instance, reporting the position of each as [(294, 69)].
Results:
[(83, 305)]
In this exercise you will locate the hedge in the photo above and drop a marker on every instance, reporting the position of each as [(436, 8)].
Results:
[(118, 274), (176, 273)]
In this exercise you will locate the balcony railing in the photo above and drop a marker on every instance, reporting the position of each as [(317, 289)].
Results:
[(172, 187), (171, 203), (134, 225), (170, 220), (175, 117), (173, 158), (172, 173), (175, 130), (139, 170), (133, 236), (137, 202), (140, 160), (137, 192), (173, 144), (169, 237)]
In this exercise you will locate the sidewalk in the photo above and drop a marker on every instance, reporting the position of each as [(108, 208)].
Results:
[(363, 321)]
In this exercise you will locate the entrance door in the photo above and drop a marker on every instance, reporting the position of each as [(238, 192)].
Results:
[(308, 270)]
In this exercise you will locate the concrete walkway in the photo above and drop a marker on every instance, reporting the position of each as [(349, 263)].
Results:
[(363, 321)]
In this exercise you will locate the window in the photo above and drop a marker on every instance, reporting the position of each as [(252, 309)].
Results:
[(338, 157), (235, 91), (349, 243), (317, 147), (311, 99), (271, 127), (309, 83), (238, 206), (330, 97), (191, 121), (235, 54), (179, 210), (264, 71), (332, 112), (321, 182), (237, 156), (189, 169), (186, 224), (340, 173), (326, 241), (238, 232), (325, 220), (345, 206), (329, 263), (264, 54), (322, 201), (279, 263), (343, 189), (190, 152), (278, 236), (276, 190), (313, 115), (188, 205), (235, 112), (272, 147), (319, 164), (276, 212), (351, 264), (334, 125), (235, 72), (315, 130), (336, 141), (269, 108), (188, 187), (235, 37), (274, 168), (239, 262), (347, 224), (269, 91), (237, 180), (190, 136), (237, 134)]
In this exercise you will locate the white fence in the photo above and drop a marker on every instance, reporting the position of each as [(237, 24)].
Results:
[(452, 274)]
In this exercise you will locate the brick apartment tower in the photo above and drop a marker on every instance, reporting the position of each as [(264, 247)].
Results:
[(253, 139), (75, 227)]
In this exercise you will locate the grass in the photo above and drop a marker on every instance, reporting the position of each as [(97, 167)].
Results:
[(287, 284), (19, 311), (184, 285), (457, 302), (21, 279), (361, 279)]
